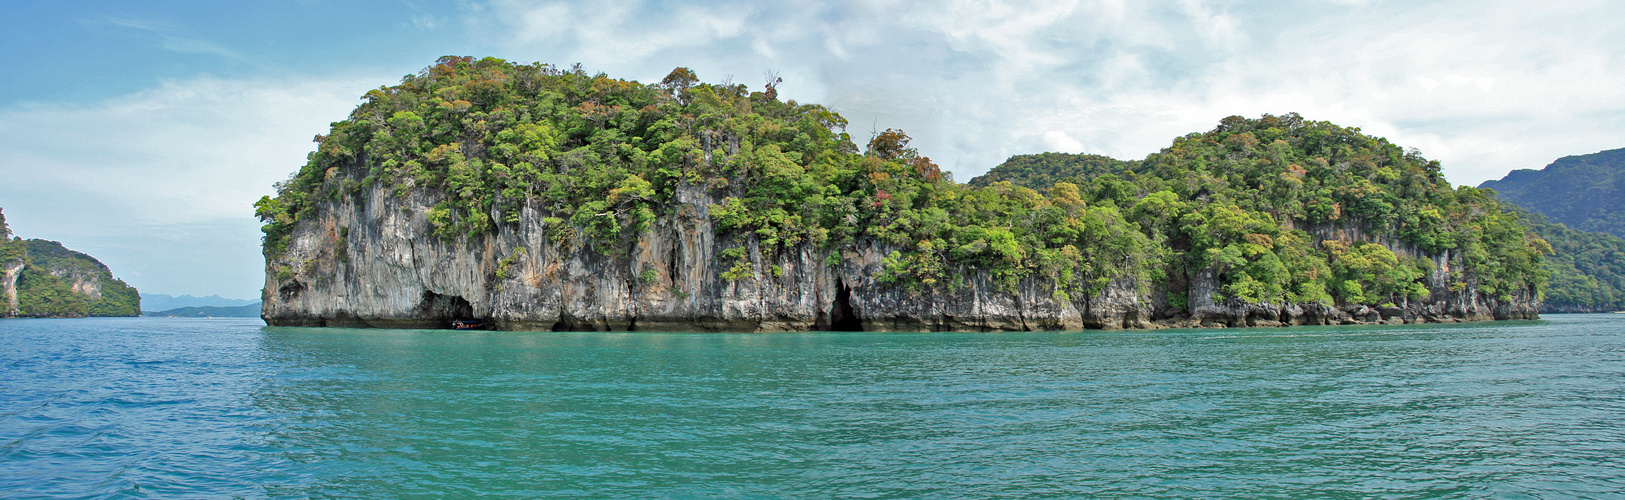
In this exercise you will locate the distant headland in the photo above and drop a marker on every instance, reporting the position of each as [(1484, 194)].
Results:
[(43, 279)]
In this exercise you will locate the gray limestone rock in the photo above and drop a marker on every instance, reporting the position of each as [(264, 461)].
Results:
[(372, 259)]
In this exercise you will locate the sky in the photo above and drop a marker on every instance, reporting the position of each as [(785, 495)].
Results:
[(142, 132)]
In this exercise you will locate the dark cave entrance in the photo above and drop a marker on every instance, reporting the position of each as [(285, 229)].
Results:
[(564, 324), (841, 317), (448, 310)]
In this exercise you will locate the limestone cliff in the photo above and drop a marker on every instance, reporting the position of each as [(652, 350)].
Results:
[(9, 272), (372, 260)]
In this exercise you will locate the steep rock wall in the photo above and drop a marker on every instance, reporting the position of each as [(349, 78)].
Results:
[(9, 273), (81, 281), (372, 260)]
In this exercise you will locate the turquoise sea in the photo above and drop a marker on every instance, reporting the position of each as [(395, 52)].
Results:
[(179, 408)]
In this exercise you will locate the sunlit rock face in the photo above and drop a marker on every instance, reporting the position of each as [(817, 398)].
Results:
[(372, 260), (9, 272)]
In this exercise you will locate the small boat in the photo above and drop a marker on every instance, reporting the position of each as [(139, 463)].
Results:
[(466, 324)]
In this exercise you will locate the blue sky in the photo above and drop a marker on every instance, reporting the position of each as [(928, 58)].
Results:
[(142, 132)]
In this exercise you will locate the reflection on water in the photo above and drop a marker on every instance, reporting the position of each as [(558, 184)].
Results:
[(169, 408)]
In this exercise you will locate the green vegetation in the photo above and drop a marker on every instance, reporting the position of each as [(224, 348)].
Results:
[(1583, 192), (1242, 199), (1567, 199), (598, 155), (47, 274), (601, 159), (1587, 269), (46, 286), (39, 294), (11, 250), (1046, 169)]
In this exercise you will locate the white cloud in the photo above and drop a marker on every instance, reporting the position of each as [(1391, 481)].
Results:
[(187, 150), (132, 179), (1485, 87), (169, 40)]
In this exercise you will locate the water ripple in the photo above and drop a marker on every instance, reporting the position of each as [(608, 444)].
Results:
[(151, 408)]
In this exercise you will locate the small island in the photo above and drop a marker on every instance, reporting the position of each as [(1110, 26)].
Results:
[(43, 279), (525, 196)]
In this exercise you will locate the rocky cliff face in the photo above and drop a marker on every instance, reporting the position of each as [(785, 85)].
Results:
[(372, 260), (80, 281), (9, 272), (43, 279)]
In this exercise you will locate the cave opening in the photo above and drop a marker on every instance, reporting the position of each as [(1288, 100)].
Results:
[(449, 311), (568, 323), (841, 316), (671, 267), (291, 290)]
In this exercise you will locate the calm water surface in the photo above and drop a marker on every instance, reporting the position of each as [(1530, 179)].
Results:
[(162, 408)]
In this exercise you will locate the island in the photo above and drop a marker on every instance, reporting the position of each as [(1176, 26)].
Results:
[(533, 197), (43, 279)]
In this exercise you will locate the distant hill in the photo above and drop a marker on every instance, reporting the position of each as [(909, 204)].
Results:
[(1040, 171), (244, 311), (43, 279), (1577, 204), (163, 302), (1585, 192), (1587, 268)]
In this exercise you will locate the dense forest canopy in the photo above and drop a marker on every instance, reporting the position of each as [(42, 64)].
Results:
[(1235, 194), (45, 287), (1587, 269), (1045, 169), (1569, 198), (46, 275), (603, 158), (1585, 192)]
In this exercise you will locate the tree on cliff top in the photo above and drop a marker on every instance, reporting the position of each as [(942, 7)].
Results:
[(11, 251), (1039, 171)]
